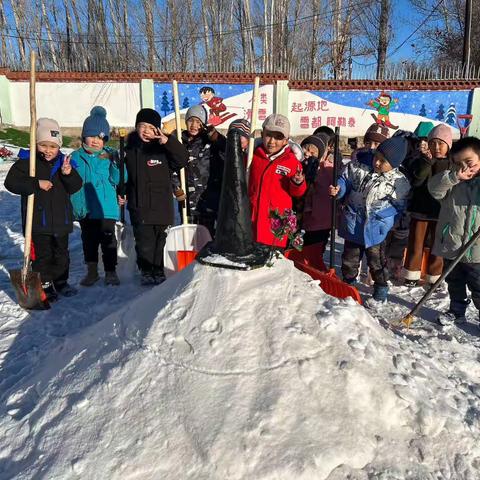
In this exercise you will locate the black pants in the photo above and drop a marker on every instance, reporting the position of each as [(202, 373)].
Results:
[(52, 260), (149, 243), (205, 219), (99, 233), (316, 236), (376, 260), (462, 276)]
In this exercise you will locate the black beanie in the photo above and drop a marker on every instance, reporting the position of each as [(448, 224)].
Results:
[(148, 115), (320, 140)]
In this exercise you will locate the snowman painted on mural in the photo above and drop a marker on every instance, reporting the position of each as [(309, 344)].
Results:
[(217, 109), (383, 103)]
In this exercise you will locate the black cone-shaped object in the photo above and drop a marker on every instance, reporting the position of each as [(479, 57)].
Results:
[(233, 246)]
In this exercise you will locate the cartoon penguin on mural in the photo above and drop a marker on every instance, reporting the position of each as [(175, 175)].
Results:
[(383, 103), (218, 110)]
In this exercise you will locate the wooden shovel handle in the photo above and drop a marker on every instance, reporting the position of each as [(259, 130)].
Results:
[(33, 149)]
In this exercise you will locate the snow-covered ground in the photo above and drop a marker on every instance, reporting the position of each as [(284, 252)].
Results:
[(221, 374)]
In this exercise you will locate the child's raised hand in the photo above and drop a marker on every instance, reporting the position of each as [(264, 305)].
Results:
[(468, 172), (160, 136), (333, 191), (66, 166), (45, 184), (299, 177)]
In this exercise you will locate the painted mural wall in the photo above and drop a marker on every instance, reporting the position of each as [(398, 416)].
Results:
[(354, 111), (223, 102)]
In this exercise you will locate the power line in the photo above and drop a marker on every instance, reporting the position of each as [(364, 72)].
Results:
[(398, 47), (168, 39)]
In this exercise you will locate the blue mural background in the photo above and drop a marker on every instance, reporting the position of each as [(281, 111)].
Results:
[(441, 105), (188, 94)]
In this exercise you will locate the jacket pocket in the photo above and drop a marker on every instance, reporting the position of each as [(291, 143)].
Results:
[(158, 194), (350, 219)]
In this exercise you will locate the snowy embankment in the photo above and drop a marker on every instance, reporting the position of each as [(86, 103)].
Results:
[(221, 374)]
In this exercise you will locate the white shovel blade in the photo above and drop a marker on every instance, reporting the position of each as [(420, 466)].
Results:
[(183, 237)]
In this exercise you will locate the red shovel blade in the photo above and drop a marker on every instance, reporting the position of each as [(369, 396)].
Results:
[(30, 295)]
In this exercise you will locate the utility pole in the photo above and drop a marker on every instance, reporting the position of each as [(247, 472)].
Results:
[(466, 37), (383, 38)]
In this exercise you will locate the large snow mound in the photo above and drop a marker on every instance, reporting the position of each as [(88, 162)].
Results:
[(221, 374)]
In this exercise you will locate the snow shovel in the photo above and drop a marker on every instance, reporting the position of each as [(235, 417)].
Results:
[(253, 124), (329, 282), (28, 284), (408, 319), (184, 239), (124, 231)]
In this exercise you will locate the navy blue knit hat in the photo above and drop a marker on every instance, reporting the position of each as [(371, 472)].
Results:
[(394, 150), (96, 125)]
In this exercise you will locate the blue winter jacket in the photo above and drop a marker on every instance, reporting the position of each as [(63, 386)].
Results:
[(372, 202), (100, 173)]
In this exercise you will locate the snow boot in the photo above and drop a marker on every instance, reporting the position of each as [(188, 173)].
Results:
[(455, 314), (159, 276), (50, 292), (92, 275), (450, 318), (65, 289), (410, 283), (111, 278), (147, 278), (380, 293)]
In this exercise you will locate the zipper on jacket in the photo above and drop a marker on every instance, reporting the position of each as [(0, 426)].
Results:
[(261, 184), (445, 229), (470, 231)]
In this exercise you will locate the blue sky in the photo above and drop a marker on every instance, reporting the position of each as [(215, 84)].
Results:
[(404, 20)]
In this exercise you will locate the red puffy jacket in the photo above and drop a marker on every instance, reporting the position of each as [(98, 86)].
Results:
[(271, 186)]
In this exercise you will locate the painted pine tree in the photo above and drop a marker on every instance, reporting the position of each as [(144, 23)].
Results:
[(165, 106), (451, 117), (423, 111), (186, 103), (440, 112)]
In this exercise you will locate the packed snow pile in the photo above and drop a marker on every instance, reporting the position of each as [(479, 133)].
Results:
[(221, 374)]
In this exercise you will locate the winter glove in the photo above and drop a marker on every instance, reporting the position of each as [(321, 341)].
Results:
[(179, 195)]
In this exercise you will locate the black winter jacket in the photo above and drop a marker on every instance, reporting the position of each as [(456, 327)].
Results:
[(52, 214), (204, 171), (421, 170), (149, 186)]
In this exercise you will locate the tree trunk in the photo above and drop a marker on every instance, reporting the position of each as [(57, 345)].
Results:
[(149, 33), (383, 37)]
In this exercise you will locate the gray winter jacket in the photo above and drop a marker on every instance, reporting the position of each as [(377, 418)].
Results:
[(459, 216)]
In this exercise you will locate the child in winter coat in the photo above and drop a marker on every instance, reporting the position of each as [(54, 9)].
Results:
[(55, 180), (275, 177), (95, 206), (317, 214), (241, 126), (151, 158), (458, 191), (206, 149), (373, 197), (397, 238), (424, 209)]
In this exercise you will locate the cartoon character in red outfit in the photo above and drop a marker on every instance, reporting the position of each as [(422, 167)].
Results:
[(383, 104), (216, 106)]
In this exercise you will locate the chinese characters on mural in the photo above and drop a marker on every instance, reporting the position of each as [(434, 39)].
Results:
[(308, 122)]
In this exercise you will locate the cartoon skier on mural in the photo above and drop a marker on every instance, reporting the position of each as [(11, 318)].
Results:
[(218, 110), (383, 103)]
